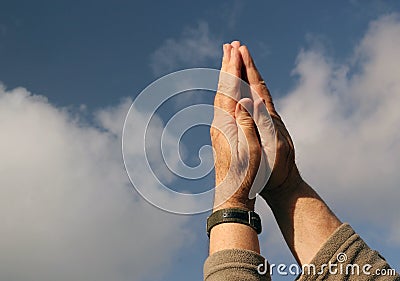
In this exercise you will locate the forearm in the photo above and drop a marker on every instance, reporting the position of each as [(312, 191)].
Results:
[(234, 252), (233, 236), (305, 220)]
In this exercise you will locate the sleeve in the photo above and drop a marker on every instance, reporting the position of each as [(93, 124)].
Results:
[(236, 265), (345, 256)]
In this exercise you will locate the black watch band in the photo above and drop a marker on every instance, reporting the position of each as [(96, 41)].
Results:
[(234, 215)]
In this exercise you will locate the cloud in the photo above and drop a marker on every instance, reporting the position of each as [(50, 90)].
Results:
[(344, 119), (68, 210), (195, 47)]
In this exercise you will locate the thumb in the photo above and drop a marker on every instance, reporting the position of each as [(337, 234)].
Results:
[(248, 144)]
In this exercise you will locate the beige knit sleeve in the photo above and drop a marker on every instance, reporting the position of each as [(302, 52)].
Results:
[(235, 265), (345, 256)]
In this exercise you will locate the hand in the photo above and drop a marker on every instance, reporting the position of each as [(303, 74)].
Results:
[(277, 145), (305, 220), (234, 138)]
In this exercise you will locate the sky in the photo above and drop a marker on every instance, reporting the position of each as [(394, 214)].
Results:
[(69, 72)]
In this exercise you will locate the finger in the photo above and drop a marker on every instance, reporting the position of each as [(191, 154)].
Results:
[(248, 144), (235, 62), (226, 56), (235, 44), (266, 129), (256, 81), (254, 75), (228, 85), (224, 125)]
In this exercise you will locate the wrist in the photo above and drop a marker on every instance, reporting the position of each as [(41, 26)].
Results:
[(287, 191), (223, 198), (242, 204)]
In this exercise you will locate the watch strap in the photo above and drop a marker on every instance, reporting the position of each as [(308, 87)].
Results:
[(234, 215)]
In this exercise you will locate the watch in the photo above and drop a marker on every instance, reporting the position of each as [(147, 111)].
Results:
[(234, 215)]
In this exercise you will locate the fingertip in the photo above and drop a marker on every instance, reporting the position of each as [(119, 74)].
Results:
[(227, 47), (246, 102), (244, 51), (226, 56), (235, 44), (243, 48), (244, 105)]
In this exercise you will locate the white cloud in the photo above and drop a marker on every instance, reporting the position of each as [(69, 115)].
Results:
[(194, 47), (68, 211), (344, 118)]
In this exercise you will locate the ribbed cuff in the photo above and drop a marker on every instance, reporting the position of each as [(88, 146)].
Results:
[(234, 264)]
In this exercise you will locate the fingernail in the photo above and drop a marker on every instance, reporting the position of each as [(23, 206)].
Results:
[(241, 107)]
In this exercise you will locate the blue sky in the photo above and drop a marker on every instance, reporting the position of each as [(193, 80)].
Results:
[(94, 52), (331, 66)]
